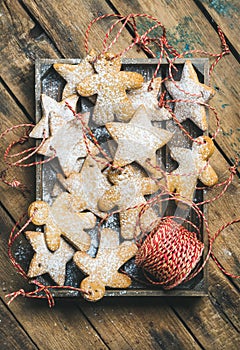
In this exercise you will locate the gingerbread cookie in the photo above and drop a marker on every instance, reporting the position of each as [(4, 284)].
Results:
[(138, 140), (130, 186), (110, 85), (103, 269), (60, 113), (71, 152), (202, 93), (86, 187), (193, 165), (149, 98), (45, 261), (75, 73), (60, 219)]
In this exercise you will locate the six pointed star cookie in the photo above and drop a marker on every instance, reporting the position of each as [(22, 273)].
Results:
[(103, 270), (137, 140), (192, 166), (110, 85), (87, 187), (59, 112), (75, 73), (202, 93), (128, 190), (150, 100), (45, 261)]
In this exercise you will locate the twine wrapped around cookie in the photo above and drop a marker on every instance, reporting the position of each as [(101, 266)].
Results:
[(169, 253)]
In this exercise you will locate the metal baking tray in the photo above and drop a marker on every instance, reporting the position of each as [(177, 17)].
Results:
[(49, 82)]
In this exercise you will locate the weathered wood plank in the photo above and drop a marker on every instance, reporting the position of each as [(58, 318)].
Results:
[(12, 335), (226, 14), (139, 324), (66, 25), (66, 325), (188, 28), (21, 41)]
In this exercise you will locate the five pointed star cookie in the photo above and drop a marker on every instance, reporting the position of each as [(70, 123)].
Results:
[(75, 73), (87, 187), (61, 220), (189, 82), (128, 190), (110, 85), (45, 261), (103, 270), (69, 145), (60, 113), (137, 140), (192, 166), (150, 100)]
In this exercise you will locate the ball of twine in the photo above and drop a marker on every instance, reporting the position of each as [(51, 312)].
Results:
[(169, 253)]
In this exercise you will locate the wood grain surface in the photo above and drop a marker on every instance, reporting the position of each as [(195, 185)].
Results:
[(33, 29)]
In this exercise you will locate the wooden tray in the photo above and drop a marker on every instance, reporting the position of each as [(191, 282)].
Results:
[(49, 82)]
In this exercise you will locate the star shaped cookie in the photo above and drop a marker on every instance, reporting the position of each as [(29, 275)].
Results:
[(193, 165), (137, 140), (150, 100), (69, 145), (110, 85), (75, 73), (61, 220), (128, 190), (45, 261), (59, 112), (189, 83), (87, 187), (103, 269)]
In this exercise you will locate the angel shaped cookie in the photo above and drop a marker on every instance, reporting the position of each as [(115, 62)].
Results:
[(102, 270), (193, 165), (61, 114), (110, 85), (75, 73), (189, 88), (61, 220), (45, 261), (127, 193)]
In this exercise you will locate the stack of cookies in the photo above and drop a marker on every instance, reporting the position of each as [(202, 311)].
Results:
[(116, 176)]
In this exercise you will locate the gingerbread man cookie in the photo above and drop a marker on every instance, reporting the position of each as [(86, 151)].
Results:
[(130, 186), (75, 73), (60, 113), (45, 261), (110, 85), (103, 269), (200, 93), (60, 219), (193, 165)]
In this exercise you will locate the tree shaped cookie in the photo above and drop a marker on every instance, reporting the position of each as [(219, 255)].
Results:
[(150, 100), (69, 144), (189, 83), (137, 140), (87, 187), (130, 186), (110, 85), (193, 165), (58, 109), (45, 261), (75, 73), (103, 269), (60, 219)]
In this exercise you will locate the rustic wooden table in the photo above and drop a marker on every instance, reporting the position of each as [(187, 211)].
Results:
[(33, 29)]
